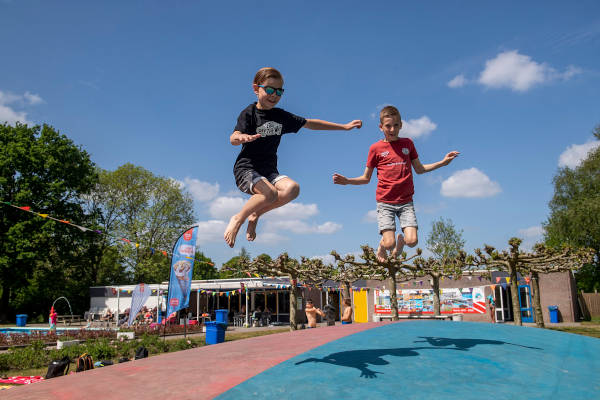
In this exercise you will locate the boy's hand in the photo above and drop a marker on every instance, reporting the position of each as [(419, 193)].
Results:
[(357, 123), (340, 179), (450, 156), (246, 138), (238, 138)]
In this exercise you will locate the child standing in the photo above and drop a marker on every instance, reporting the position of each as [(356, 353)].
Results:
[(52, 319), (258, 130), (394, 159)]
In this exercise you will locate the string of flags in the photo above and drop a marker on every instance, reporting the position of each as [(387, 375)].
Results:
[(99, 232)]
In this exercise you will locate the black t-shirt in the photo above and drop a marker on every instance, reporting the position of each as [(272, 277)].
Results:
[(261, 154)]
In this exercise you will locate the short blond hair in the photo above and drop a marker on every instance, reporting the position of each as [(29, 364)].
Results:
[(388, 111), (265, 73)]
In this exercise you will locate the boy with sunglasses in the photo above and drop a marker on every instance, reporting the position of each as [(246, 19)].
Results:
[(394, 158), (259, 129)]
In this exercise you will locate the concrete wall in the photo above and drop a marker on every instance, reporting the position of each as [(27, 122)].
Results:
[(559, 289)]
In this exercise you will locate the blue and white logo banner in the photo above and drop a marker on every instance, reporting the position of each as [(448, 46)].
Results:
[(138, 299), (182, 267)]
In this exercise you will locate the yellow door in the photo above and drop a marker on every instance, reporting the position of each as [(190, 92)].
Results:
[(360, 306)]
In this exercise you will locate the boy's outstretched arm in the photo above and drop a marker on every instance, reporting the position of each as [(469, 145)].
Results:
[(359, 180), (238, 138), (421, 169), (320, 125)]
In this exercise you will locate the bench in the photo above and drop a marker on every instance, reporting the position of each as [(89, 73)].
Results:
[(68, 319), (417, 316)]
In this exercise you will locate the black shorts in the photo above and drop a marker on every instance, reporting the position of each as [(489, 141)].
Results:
[(245, 179)]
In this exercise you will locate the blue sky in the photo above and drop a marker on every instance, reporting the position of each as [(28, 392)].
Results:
[(513, 87)]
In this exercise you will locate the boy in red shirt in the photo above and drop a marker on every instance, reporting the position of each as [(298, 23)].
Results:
[(394, 159)]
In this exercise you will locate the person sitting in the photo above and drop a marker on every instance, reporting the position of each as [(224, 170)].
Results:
[(125, 318)]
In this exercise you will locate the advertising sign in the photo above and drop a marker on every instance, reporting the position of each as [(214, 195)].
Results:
[(182, 268), (452, 300)]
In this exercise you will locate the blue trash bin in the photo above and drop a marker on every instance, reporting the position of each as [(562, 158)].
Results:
[(215, 332), (21, 319), (221, 316), (553, 314)]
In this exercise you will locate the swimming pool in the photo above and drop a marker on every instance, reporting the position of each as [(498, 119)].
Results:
[(29, 330)]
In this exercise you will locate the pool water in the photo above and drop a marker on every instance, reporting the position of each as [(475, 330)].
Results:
[(8, 331)]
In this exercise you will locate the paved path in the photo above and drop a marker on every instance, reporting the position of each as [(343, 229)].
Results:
[(408, 360)]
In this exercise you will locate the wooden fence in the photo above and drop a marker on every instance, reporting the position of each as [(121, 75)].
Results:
[(590, 304)]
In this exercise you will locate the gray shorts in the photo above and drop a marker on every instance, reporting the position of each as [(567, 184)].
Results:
[(387, 213), (248, 179)]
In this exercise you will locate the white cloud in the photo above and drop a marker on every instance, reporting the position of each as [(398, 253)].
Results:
[(32, 98), (201, 191), (293, 211), (531, 232), (301, 227), (519, 72), (270, 238), (8, 101), (415, 128), (469, 183), (370, 216), (224, 207), (458, 81), (211, 231), (576, 153), (11, 116)]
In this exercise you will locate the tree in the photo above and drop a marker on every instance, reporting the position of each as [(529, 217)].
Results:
[(512, 261), (343, 273), (204, 267), (234, 268), (284, 266), (143, 213), (545, 260), (448, 266), (41, 258), (575, 214), (394, 268), (446, 244)]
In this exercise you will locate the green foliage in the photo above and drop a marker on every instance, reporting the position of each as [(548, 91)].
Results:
[(575, 213), (234, 268), (133, 203), (39, 257), (204, 267), (444, 241)]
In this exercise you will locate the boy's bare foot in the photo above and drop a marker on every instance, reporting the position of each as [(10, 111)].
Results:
[(381, 254), (251, 229), (232, 230), (399, 246)]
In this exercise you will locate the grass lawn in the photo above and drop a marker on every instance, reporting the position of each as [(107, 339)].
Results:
[(587, 328), (199, 341)]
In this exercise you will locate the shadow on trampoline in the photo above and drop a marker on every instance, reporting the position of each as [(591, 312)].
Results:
[(464, 344), (362, 359)]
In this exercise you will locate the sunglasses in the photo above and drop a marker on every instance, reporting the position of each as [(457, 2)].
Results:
[(270, 90)]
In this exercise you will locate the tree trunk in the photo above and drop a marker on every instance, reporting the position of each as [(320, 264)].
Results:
[(346, 293), (537, 305), (293, 304), (4, 300), (393, 297), (514, 294), (436, 294)]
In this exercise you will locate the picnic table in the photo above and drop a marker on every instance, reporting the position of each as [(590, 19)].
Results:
[(68, 319)]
